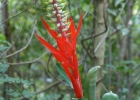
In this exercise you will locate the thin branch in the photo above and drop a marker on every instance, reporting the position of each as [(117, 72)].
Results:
[(104, 87), (86, 49), (101, 41), (88, 9), (24, 46), (20, 31), (45, 89), (14, 41), (50, 86), (119, 15), (3, 4), (28, 62), (13, 16), (134, 82), (82, 41), (18, 90)]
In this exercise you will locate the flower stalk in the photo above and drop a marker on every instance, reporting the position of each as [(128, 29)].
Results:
[(65, 36)]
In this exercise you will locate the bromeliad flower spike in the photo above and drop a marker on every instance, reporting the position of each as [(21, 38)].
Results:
[(65, 37)]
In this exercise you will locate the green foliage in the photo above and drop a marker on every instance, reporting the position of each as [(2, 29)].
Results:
[(138, 98), (66, 97), (125, 31), (110, 96), (13, 93), (4, 45), (6, 78), (2, 37), (2, 48), (3, 67), (51, 97), (28, 94), (1, 98), (113, 12), (90, 83), (121, 76), (63, 74), (118, 2)]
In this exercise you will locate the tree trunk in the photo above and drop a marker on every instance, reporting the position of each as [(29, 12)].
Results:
[(7, 33), (99, 42), (125, 53)]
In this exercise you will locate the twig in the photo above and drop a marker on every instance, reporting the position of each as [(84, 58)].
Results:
[(101, 41), (24, 46), (104, 87), (14, 41), (3, 3), (93, 36), (18, 90), (88, 9), (40, 91), (13, 16), (119, 15), (50, 86), (28, 62), (87, 50)]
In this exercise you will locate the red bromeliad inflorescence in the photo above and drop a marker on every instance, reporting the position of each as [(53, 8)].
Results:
[(66, 41)]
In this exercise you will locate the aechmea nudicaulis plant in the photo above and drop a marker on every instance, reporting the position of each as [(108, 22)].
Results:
[(65, 35)]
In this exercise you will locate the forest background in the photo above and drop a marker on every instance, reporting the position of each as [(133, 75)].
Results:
[(109, 37)]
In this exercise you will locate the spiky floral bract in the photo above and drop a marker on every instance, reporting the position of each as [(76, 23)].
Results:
[(65, 37)]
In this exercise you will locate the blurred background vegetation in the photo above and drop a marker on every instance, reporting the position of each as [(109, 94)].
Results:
[(28, 70)]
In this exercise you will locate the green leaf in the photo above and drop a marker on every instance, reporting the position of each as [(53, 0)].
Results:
[(66, 97), (3, 48), (138, 98), (5, 43), (117, 2), (128, 62), (90, 84), (12, 93), (51, 97), (1, 98), (110, 96), (26, 82), (28, 94), (2, 37), (110, 66), (125, 31), (3, 67), (63, 74), (113, 12), (119, 26), (123, 97), (8, 79)]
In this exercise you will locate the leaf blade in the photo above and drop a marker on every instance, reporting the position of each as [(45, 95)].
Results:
[(63, 74)]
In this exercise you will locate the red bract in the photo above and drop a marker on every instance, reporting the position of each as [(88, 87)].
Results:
[(66, 54)]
